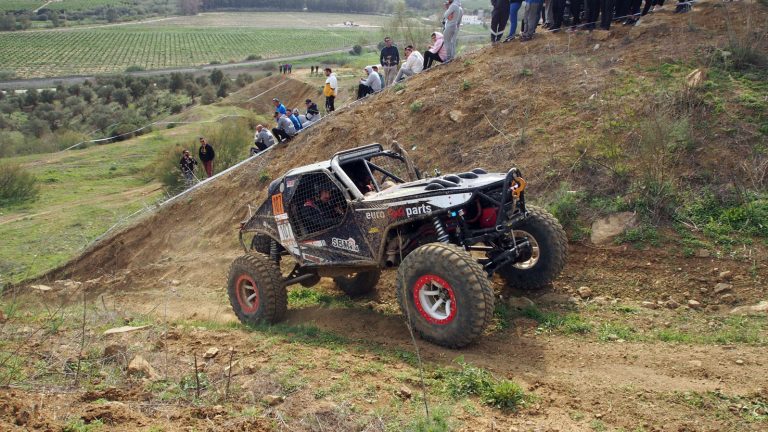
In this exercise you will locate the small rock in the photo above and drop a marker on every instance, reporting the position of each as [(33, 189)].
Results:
[(141, 368), (728, 299), (601, 35), (725, 275), (612, 337), (695, 78), (272, 400), (649, 305), (250, 368), (404, 393), (702, 253), (722, 287), (115, 353), (761, 307), (175, 282), (693, 304), (695, 363), (739, 362), (211, 353), (124, 329), (400, 92), (573, 300), (671, 304), (520, 303), (605, 229), (584, 292), (40, 287), (456, 116), (505, 111), (601, 300), (595, 48)]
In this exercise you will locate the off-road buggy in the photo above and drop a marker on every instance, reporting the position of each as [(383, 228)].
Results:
[(368, 209)]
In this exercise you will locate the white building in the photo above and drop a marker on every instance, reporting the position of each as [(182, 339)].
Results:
[(471, 19)]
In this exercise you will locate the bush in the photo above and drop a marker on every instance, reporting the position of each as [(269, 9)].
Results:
[(17, 185), (356, 50), (417, 106), (134, 68), (505, 395)]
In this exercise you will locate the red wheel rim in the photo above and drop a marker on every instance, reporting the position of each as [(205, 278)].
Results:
[(247, 293), (434, 299)]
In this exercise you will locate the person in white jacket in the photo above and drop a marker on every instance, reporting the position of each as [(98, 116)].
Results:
[(414, 63), (370, 84)]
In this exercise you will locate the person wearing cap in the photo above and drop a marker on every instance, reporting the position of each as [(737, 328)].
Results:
[(285, 130), (262, 139), (414, 63), (370, 84), (329, 90), (280, 108), (390, 60), (313, 113), (207, 155), (187, 166)]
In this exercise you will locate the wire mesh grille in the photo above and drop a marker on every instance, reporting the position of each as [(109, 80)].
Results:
[(316, 205), (392, 166)]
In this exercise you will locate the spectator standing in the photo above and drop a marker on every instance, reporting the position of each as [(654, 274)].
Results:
[(499, 17), (531, 19), (558, 10), (284, 131), (281, 68), (414, 63), (390, 60), (187, 166), (262, 140), (575, 8), (279, 108), (207, 155), (370, 84), (606, 13), (329, 90), (514, 8), (452, 20), (436, 52)]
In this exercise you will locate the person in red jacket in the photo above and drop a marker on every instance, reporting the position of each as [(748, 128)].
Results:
[(206, 154)]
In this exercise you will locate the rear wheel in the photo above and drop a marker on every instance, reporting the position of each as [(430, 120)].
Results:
[(256, 291), (358, 284), (445, 294), (549, 249)]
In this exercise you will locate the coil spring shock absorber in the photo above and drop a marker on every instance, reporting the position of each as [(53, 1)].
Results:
[(442, 235)]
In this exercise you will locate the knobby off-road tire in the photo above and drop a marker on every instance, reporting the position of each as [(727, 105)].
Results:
[(434, 274), (256, 291), (550, 250), (261, 244), (358, 284)]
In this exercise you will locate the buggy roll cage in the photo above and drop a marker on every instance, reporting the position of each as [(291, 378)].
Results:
[(364, 153)]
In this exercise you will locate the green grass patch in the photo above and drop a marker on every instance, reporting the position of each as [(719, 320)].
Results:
[(570, 323), (301, 297), (471, 380)]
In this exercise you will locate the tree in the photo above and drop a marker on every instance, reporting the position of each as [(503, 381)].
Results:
[(217, 77), (112, 15), (7, 22), (47, 96), (105, 92), (54, 17), (223, 89), (121, 96), (188, 7), (31, 98), (87, 94), (208, 96), (177, 82)]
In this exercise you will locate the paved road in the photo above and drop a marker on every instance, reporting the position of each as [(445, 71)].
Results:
[(41, 83)]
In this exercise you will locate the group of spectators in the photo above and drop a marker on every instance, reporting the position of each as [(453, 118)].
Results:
[(584, 15), (188, 165), (286, 68)]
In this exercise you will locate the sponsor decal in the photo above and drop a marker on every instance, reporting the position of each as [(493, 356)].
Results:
[(409, 211), (316, 243), (377, 214), (373, 230), (314, 259), (348, 245), (290, 183), (277, 204)]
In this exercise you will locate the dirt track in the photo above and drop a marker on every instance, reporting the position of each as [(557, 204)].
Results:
[(179, 256)]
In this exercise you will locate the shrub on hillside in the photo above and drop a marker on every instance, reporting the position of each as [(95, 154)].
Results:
[(16, 185)]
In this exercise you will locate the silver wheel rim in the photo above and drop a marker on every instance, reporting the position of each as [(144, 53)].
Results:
[(435, 301), (535, 253)]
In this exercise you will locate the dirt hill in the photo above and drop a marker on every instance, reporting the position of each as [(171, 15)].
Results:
[(567, 109)]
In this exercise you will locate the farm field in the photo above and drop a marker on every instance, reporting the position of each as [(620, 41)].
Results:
[(161, 46), (70, 5)]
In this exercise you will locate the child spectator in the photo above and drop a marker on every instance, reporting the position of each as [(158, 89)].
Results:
[(187, 166), (329, 90), (436, 52), (414, 63)]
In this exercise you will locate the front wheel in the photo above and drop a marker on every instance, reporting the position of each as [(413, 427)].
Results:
[(358, 284), (445, 294), (549, 249), (256, 291)]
